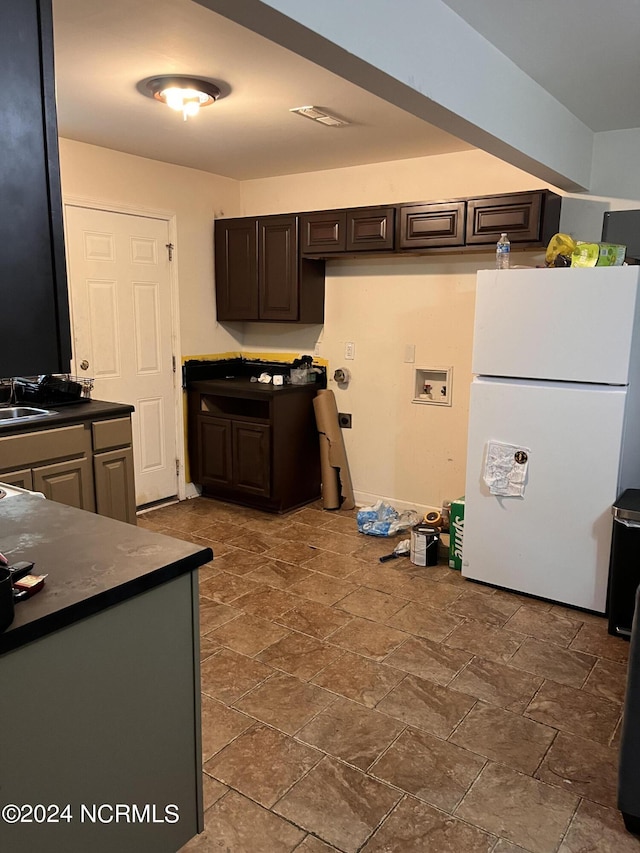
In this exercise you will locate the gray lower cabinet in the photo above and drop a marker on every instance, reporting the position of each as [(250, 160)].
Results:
[(113, 469), (112, 707), (87, 465), (69, 482)]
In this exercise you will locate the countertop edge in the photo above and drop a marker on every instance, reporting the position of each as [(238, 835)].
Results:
[(80, 610)]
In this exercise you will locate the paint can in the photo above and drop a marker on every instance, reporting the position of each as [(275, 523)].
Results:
[(424, 545)]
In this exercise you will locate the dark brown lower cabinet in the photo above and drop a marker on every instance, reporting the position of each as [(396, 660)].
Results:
[(251, 458), (254, 444)]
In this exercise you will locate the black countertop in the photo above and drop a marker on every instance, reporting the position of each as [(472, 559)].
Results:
[(87, 410), (244, 387), (92, 563)]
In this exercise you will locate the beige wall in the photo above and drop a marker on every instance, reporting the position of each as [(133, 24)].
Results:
[(196, 198), (411, 454)]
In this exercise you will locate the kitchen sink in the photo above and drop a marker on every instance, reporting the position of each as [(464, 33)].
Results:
[(11, 414)]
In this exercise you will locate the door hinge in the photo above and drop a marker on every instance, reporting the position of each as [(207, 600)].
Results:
[(170, 248), (173, 363), (177, 467)]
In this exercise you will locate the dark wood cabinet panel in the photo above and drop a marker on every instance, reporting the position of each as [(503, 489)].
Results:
[(526, 217), (260, 274), (33, 274), (278, 268), (270, 461), (370, 229), (358, 229), (432, 225), (323, 232), (251, 463), (236, 267), (289, 248), (214, 451)]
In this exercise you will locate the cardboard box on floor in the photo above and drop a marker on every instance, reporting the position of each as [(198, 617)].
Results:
[(456, 533)]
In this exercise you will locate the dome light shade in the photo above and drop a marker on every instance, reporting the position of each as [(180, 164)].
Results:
[(184, 94)]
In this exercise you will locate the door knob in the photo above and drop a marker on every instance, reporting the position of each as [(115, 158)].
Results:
[(84, 364)]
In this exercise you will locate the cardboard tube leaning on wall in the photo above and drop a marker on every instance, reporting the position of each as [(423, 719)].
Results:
[(337, 490)]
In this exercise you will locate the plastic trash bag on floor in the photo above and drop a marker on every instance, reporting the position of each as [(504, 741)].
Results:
[(381, 519)]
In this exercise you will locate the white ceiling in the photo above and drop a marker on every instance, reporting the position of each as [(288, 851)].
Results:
[(584, 52)]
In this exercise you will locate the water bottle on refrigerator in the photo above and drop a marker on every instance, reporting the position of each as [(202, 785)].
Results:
[(503, 250)]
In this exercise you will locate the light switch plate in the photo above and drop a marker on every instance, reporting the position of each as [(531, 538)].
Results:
[(350, 350), (409, 353)]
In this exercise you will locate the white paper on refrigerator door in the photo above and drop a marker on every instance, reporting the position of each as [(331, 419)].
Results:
[(505, 469)]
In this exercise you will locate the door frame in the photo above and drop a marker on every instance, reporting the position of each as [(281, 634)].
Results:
[(171, 219)]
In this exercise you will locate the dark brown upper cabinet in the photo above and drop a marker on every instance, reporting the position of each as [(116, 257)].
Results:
[(323, 232), (236, 263), (268, 268), (260, 274), (359, 229), (532, 217), (370, 229), (36, 336), (432, 225)]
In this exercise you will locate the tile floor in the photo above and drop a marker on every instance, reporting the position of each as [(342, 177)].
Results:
[(351, 705)]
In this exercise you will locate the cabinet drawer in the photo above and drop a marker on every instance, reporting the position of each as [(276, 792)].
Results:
[(112, 433), (30, 448), (425, 226)]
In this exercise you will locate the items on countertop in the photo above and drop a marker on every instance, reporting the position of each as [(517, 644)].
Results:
[(47, 390), (503, 251), (298, 371), (564, 251)]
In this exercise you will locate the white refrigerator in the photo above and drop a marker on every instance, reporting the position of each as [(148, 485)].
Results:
[(554, 428)]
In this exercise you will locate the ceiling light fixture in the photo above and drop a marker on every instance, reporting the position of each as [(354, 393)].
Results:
[(316, 114), (184, 94)]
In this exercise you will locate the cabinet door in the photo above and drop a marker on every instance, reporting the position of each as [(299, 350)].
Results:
[(69, 483), (323, 232), (236, 268), (519, 215), (114, 484), (251, 458), (32, 276), (425, 226), (214, 451), (278, 267), (370, 229), (22, 479)]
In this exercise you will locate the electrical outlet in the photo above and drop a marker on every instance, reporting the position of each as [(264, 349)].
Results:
[(316, 350), (344, 420), (350, 350)]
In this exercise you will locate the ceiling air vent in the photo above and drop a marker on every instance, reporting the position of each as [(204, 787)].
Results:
[(316, 114)]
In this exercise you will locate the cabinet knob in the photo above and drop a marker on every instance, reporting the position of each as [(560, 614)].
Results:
[(84, 364)]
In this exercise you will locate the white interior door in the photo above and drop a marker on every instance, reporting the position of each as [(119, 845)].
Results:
[(120, 291)]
